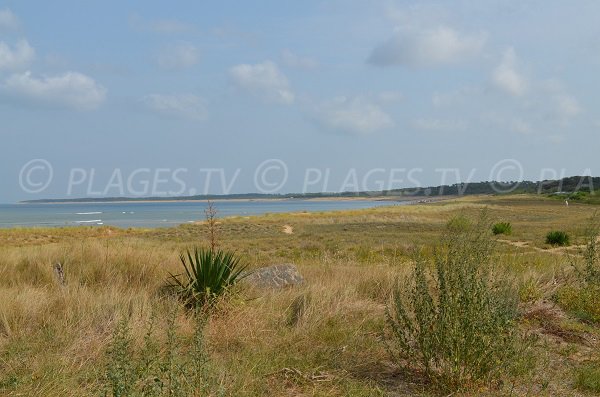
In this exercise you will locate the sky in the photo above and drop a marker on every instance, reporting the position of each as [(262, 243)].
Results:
[(108, 98)]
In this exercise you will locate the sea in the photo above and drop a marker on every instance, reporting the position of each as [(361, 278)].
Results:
[(160, 214)]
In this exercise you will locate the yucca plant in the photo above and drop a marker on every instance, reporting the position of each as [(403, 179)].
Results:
[(558, 238), (207, 275)]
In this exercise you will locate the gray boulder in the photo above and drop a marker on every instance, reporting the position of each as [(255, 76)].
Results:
[(277, 276)]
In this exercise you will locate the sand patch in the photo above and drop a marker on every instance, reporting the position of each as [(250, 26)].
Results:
[(288, 229)]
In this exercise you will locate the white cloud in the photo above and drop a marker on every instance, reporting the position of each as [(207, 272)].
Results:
[(507, 77), (438, 46), (353, 115), (298, 62), (8, 20), (183, 106), (264, 80), (438, 125), (15, 58), (179, 56), (71, 89)]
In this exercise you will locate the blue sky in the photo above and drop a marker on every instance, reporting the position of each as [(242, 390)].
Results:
[(336, 85)]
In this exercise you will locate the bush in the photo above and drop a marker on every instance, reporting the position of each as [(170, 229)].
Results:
[(591, 254), (502, 228), (120, 375), (207, 275), (155, 369), (588, 378), (558, 238), (578, 196), (458, 224), (456, 321), (583, 297)]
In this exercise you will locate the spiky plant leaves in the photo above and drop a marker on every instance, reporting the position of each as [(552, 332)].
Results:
[(207, 275)]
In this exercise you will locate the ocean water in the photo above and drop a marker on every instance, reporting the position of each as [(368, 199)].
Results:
[(158, 214)]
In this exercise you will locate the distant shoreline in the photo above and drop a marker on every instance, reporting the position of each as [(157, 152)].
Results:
[(568, 185), (216, 200)]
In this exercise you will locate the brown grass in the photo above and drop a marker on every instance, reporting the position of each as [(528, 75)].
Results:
[(53, 339)]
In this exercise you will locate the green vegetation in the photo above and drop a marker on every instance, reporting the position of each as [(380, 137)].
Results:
[(502, 228), (588, 378), (208, 274), (558, 238), (590, 273), (574, 187), (582, 301), (109, 327), (149, 371), (582, 298), (456, 320)]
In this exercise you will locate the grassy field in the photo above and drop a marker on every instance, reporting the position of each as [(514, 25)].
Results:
[(325, 338)]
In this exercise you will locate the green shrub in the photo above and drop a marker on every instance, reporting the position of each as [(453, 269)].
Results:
[(458, 224), (588, 378), (583, 301), (558, 238), (502, 228), (120, 375), (455, 320), (590, 273), (578, 196), (207, 275), (582, 298), (176, 367)]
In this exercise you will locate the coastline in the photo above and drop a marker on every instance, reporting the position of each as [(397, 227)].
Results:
[(245, 200)]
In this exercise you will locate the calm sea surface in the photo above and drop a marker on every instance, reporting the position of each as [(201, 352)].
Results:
[(160, 214)]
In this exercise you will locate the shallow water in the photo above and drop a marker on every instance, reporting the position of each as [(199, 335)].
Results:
[(158, 214)]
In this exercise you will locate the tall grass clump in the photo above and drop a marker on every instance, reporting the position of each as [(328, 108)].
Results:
[(558, 238), (582, 298), (456, 320), (502, 228), (207, 274)]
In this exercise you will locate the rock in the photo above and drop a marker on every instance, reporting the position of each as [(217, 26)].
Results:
[(277, 276)]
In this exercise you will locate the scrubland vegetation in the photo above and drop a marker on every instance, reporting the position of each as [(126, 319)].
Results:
[(399, 301), (502, 228), (557, 237)]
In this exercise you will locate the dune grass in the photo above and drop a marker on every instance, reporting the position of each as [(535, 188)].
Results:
[(326, 338)]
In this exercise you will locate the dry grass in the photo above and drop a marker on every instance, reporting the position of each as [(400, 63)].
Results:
[(322, 339)]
